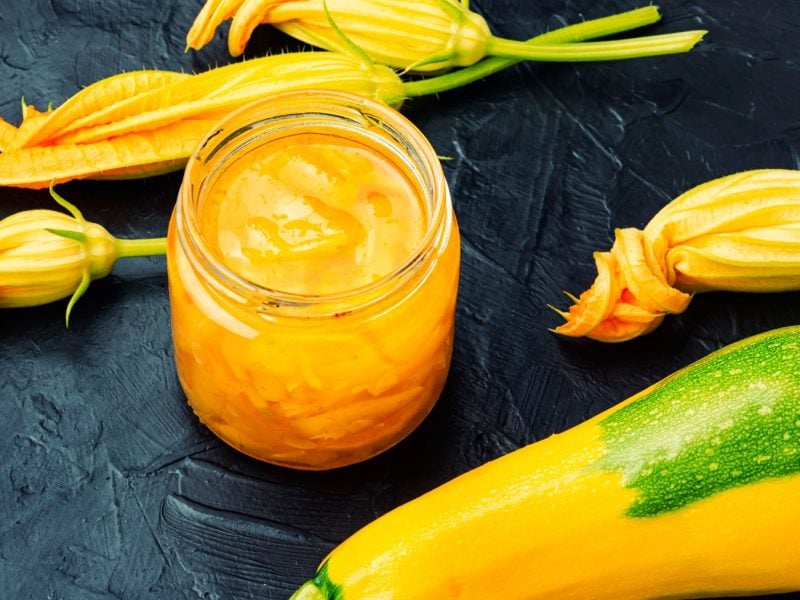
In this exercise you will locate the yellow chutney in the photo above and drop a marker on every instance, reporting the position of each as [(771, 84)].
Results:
[(313, 269)]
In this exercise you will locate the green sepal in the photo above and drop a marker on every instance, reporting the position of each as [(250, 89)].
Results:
[(456, 13), (354, 48), (78, 236), (86, 279), (64, 203), (428, 60)]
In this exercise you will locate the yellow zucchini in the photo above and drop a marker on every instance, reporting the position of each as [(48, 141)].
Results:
[(690, 488)]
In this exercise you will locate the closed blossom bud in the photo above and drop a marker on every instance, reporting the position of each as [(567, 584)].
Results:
[(38, 266), (47, 255), (423, 35)]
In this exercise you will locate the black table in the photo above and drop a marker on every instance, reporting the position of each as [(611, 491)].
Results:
[(110, 486)]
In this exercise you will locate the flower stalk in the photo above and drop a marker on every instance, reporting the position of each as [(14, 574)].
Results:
[(46, 255)]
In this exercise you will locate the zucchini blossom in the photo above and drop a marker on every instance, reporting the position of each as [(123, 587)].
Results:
[(738, 233), (424, 35), (147, 122), (46, 255)]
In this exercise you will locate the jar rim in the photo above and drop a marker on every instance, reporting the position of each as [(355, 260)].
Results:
[(363, 111)]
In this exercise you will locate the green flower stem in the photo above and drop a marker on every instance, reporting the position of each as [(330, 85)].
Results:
[(143, 247), (570, 34), (602, 27), (654, 45)]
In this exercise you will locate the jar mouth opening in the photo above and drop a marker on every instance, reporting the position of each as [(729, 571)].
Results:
[(399, 138)]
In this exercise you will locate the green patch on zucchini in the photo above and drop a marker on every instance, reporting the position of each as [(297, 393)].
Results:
[(729, 420)]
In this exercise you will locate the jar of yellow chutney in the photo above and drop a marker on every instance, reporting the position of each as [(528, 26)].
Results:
[(313, 265)]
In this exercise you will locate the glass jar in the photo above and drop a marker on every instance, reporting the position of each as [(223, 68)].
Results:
[(289, 374)]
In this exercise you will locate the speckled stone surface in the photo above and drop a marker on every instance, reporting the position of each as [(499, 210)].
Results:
[(109, 486)]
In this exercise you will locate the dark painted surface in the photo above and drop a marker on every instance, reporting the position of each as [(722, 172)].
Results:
[(110, 488)]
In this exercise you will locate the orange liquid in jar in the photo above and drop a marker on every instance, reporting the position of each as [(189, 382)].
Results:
[(315, 215)]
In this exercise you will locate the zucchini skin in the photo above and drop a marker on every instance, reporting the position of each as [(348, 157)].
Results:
[(689, 488)]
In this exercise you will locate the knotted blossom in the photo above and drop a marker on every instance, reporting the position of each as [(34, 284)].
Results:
[(736, 233)]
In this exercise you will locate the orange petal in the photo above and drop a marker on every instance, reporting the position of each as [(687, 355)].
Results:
[(244, 22), (38, 167), (211, 16), (32, 121), (647, 285), (596, 303), (96, 97), (621, 330), (7, 134), (633, 313)]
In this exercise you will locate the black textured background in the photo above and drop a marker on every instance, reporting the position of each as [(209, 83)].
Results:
[(110, 488)]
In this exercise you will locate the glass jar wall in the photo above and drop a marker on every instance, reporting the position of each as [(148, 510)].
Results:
[(313, 268)]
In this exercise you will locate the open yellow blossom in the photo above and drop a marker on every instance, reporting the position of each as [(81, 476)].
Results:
[(46, 255), (424, 35), (736, 233)]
